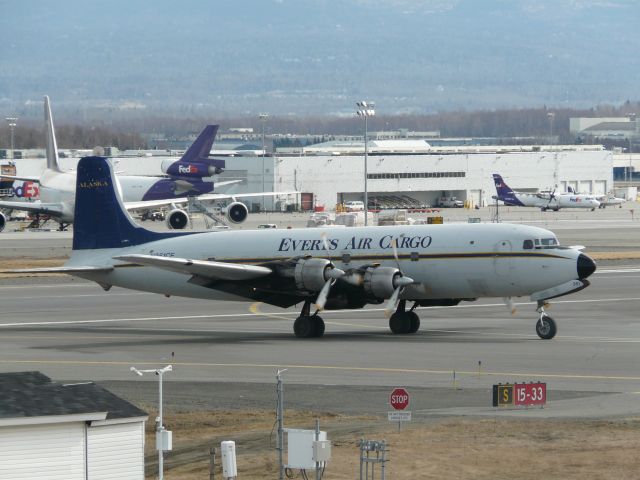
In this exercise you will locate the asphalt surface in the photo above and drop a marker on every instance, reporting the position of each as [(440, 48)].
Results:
[(73, 331), (226, 354)]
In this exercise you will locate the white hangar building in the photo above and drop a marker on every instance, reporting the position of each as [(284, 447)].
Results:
[(334, 172), (465, 172), (79, 431)]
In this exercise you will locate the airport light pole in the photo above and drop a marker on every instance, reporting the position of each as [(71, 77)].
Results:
[(366, 110), (159, 427), (551, 116), (263, 119), (12, 121)]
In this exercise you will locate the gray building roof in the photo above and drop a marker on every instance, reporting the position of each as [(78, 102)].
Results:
[(621, 126), (33, 394)]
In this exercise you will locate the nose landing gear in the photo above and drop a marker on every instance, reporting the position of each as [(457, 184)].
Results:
[(546, 326)]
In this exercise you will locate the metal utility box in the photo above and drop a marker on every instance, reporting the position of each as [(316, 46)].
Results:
[(300, 448), (164, 440), (228, 452), (321, 451)]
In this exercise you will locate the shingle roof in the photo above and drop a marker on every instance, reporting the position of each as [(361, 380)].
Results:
[(33, 394)]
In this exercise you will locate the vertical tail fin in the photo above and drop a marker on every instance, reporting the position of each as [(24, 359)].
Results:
[(201, 148), (502, 189), (52, 145), (195, 163), (100, 220)]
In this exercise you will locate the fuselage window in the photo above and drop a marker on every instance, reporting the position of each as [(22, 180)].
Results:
[(527, 245)]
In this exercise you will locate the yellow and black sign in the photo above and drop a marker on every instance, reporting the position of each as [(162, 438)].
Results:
[(502, 395)]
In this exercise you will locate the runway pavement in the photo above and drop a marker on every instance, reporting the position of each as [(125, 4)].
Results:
[(72, 330)]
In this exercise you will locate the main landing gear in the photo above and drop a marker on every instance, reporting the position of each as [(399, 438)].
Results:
[(545, 327), (307, 325), (403, 322)]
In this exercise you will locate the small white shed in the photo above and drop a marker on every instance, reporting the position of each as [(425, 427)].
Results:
[(78, 431)]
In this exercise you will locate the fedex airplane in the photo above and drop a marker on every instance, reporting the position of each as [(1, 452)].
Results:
[(543, 201), (327, 268), (187, 177)]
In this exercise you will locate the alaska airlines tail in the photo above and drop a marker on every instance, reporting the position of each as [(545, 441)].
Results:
[(100, 220), (52, 145), (505, 194)]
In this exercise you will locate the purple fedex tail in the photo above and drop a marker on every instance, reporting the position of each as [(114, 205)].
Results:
[(505, 194), (185, 176), (195, 163)]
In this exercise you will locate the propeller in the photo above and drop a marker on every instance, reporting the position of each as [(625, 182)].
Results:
[(508, 301), (552, 197), (399, 283), (332, 274)]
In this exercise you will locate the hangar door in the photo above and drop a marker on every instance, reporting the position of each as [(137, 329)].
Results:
[(54, 451), (573, 184), (584, 186), (600, 187), (116, 451)]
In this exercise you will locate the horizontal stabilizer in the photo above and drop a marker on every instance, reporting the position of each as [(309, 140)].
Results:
[(202, 268), (20, 178)]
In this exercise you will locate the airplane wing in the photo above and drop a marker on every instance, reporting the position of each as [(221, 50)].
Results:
[(22, 179), (59, 270), (207, 197), (34, 207), (201, 268)]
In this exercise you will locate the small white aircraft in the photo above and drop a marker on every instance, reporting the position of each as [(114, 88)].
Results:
[(544, 201), (186, 177), (329, 268), (609, 200)]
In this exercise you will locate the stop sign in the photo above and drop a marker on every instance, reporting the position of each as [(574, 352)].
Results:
[(399, 399)]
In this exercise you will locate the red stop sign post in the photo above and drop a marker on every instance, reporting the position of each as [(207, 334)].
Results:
[(399, 399)]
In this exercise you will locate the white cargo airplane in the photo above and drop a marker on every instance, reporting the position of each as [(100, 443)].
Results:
[(329, 268), (185, 178), (544, 201)]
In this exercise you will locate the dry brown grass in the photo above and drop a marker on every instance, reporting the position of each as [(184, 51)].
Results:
[(451, 448)]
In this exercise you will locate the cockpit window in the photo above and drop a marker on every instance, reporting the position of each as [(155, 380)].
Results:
[(527, 245), (549, 241)]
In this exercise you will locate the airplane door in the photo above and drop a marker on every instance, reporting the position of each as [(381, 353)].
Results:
[(502, 259)]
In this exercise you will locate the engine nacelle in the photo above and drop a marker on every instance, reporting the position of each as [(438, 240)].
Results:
[(310, 273), (177, 219), (236, 212), (380, 282), (3, 221)]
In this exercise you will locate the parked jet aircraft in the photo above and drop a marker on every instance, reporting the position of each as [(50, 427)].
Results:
[(330, 268), (543, 201), (186, 177)]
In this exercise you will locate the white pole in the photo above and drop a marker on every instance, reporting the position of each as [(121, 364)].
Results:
[(366, 193), (160, 430)]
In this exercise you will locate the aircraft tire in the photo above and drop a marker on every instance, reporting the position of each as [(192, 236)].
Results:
[(546, 327), (318, 326), (400, 323), (414, 321), (303, 327)]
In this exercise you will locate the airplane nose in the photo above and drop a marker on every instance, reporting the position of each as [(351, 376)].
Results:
[(586, 266)]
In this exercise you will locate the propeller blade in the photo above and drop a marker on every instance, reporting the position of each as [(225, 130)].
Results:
[(392, 304), (324, 293), (508, 301), (394, 245), (325, 242)]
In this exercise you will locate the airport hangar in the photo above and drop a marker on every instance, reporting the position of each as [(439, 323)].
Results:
[(334, 172)]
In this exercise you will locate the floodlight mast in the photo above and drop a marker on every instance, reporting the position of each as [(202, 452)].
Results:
[(160, 427), (366, 110)]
